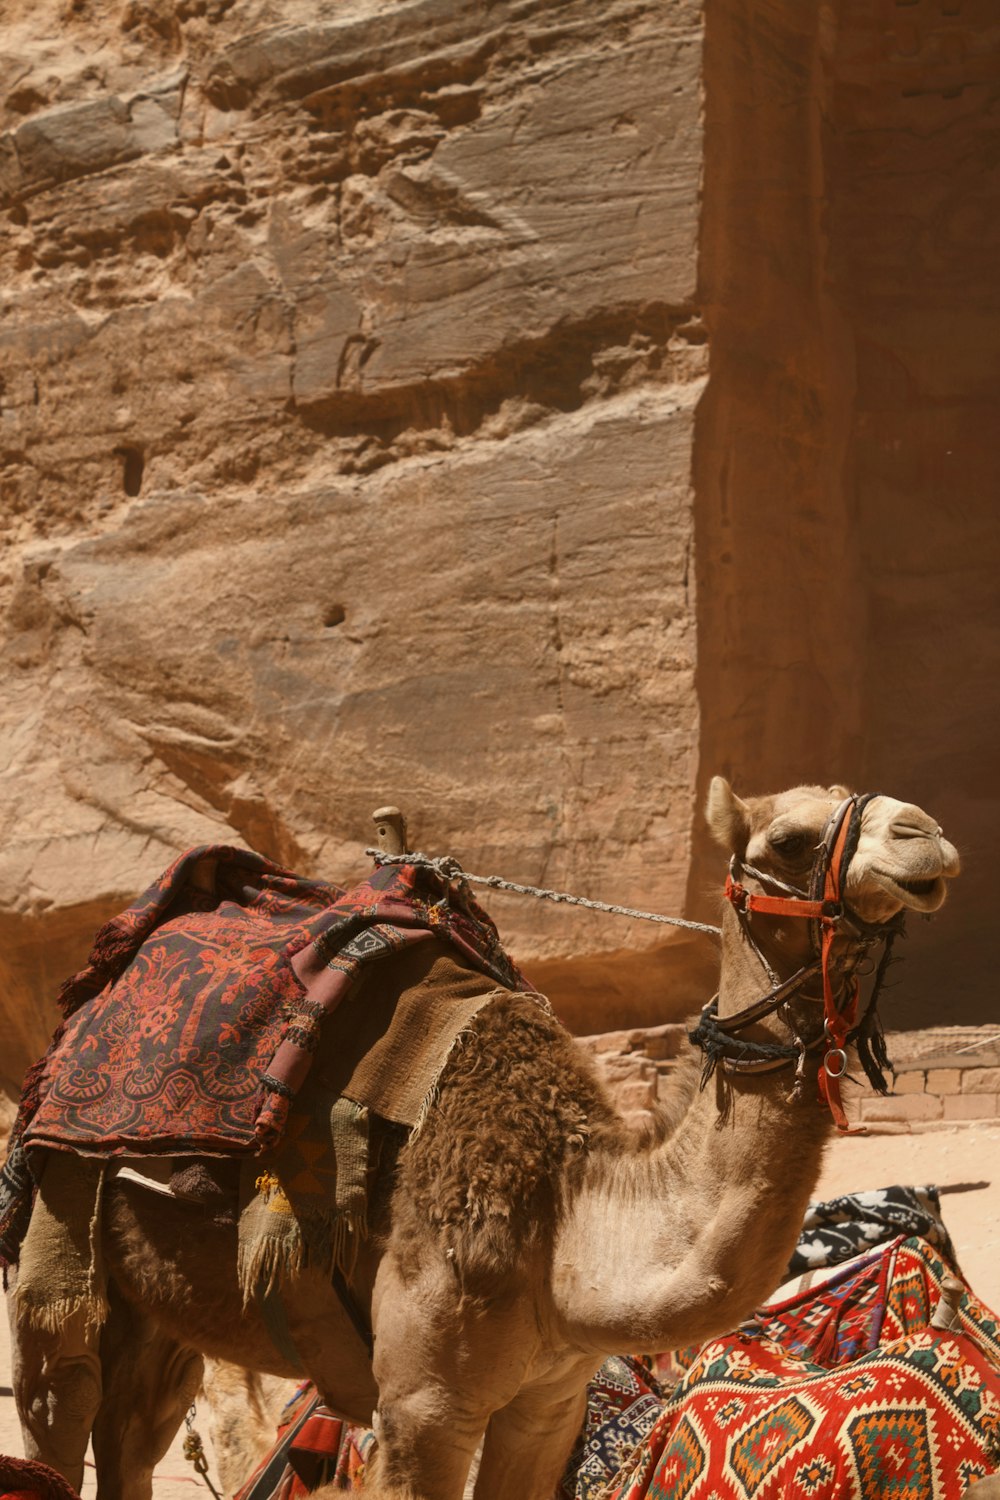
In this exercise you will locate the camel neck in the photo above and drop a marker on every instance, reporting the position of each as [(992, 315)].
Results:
[(675, 1243)]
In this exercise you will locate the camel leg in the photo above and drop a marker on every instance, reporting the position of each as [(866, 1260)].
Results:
[(442, 1364), (150, 1381), (244, 1409), (528, 1442), (57, 1391), (427, 1432)]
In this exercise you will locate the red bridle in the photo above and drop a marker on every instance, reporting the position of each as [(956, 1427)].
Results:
[(825, 909)]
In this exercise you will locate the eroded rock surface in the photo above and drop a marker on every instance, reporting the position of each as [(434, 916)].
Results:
[(355, 446), (351, 358)]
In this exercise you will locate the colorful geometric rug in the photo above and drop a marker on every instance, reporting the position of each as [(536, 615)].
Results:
[(193, 1025), (624, 1402), (841, 1393)]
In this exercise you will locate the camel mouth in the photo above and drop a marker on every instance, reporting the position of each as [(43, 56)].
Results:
[(917, 887), (926, 893)]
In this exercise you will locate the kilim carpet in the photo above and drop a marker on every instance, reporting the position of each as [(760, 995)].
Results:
[(844, 1391), (624, 1402), (313, 1447)]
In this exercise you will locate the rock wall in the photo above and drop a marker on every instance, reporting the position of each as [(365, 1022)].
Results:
[(517, 412), (350, 363), (913, 167), (846, 467)]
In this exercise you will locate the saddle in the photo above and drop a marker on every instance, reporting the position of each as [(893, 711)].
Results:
[(238, 1009)]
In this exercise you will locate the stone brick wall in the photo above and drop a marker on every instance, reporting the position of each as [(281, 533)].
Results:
[(636, 1065), (947, 1087), (930, 1087)]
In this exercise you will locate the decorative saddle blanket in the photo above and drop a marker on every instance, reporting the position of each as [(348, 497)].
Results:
[(846, 1392), (312, 1448), (193, 1026)]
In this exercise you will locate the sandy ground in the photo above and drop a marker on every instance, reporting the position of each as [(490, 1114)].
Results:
[(963, 1161)]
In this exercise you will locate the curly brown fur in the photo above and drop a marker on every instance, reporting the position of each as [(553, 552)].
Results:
[(518, 1103)]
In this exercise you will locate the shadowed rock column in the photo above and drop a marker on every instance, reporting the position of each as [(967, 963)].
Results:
[(846, 467), (350, 371)]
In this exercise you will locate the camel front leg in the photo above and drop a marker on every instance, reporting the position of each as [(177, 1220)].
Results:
[(528, 1442), (443, 1362), (57, 1390)]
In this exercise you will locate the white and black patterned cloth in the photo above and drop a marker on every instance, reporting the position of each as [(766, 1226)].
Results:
[(839, 1228)]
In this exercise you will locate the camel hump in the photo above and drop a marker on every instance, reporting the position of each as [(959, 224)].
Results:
[(514, 1110)]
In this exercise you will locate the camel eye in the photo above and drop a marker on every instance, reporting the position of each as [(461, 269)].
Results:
[(788, 843)]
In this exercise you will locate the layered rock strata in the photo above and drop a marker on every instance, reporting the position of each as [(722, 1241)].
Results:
[(351, 359), (516, 412)]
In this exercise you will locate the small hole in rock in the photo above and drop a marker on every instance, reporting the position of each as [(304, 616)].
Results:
[(334, 614), (133, 464)]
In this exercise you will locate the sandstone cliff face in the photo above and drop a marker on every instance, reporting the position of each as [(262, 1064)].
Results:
[(356, 447), (847, 467), (350, 368)]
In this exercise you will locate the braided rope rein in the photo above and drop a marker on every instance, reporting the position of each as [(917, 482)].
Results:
[(449, 869)]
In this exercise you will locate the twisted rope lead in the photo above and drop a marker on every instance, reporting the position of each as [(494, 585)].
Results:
[(450, 869)]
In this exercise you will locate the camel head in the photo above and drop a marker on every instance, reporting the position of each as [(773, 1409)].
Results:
[(902, 860)]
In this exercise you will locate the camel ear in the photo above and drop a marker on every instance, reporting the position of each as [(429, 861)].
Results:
[(728, 817)]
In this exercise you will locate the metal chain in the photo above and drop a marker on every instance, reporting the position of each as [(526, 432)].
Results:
[(450, 869), (194, 1450)]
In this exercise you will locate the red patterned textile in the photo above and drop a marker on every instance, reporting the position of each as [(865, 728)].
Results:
[(174, 1022), (841, 1393), (24, 1479), (313, 1447), (193, 1024)]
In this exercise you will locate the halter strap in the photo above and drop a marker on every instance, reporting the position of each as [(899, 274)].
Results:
[(772, 906), (825, 910)]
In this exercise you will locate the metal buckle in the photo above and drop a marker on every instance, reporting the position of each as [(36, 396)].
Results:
[(838, 1072)]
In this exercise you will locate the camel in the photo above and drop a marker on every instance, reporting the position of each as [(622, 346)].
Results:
[(525, 1231)]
